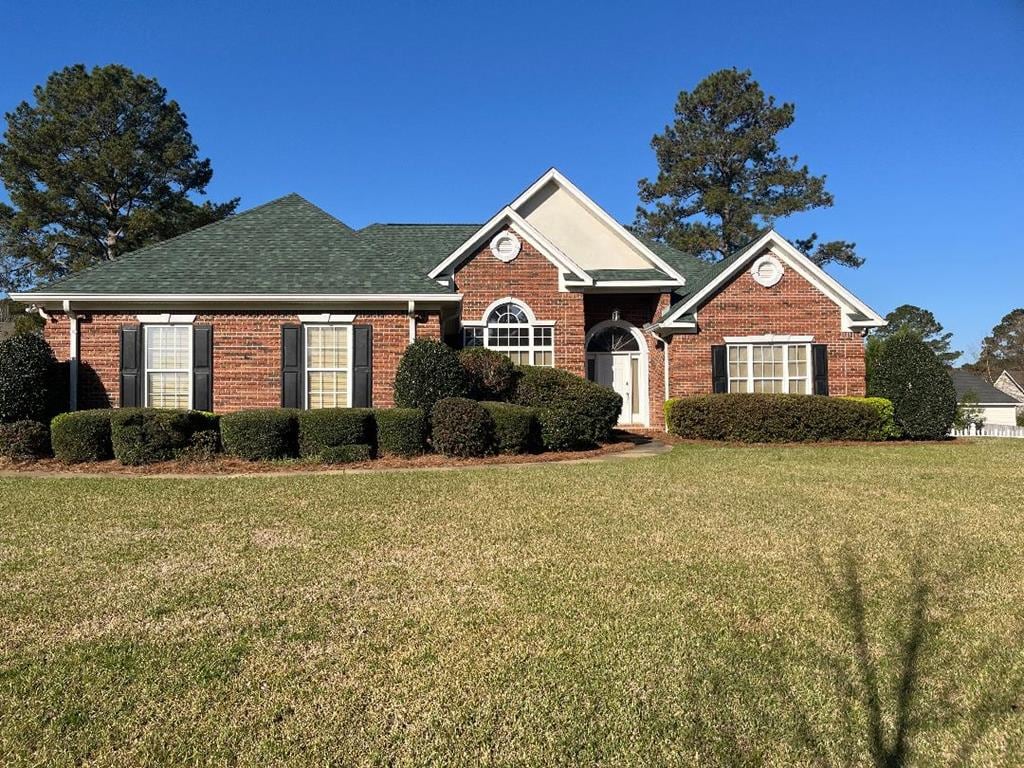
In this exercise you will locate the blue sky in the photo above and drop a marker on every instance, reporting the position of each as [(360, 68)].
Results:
[(445, 111)]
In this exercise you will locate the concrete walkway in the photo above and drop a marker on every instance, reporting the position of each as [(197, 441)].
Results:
[(644, 446)]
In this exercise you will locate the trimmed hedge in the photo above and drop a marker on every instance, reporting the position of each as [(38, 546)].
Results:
[(907, 372), (204, 445), (401, 431), (24, 440), (27, 374), (428, 371), (770, 418), (490, 375), (462, 427), (573, 412), (345, 454), (332, 427), (264, 434), (887, 429), (516, 429), (82, 436), (146, 435)]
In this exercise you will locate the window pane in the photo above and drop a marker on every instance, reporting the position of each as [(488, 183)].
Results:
[(635, 384), (737, 362), (328, 389), (167, 390), (798, 386), (798, 361), (738, 385), (473, 337), (543, 357), (327, 347), (543, 337), (167, 347)]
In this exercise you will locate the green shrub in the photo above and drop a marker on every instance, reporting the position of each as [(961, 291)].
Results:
[(25, 439), (764, 418), (516, 429), (594, 409), (908, 373), (203, 445), (428, 371), (1020, 416), (345, 454), (489, 374), (264, 434), (27, 374), (887, 429), (82, 436), (401, 431), (462, 427), (331, 427), (146, 435)]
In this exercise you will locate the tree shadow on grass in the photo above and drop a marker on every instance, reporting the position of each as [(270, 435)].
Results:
[(885, 715)]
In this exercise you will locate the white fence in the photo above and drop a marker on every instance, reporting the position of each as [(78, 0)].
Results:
[(989, 430)]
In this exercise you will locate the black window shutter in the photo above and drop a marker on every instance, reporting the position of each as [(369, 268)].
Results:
[(131, 366), (202, 367), (291, 366), (719, 369), (362, 366), (819, 358)]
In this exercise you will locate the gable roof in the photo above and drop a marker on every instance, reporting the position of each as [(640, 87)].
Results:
[(1012, 379), (706, 283), (284, 247), (966, 381)]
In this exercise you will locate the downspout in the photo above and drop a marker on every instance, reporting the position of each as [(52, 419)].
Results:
[(412, 321), (72, 356), (39, 311)]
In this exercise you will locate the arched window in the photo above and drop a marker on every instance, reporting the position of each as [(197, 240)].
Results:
[(509, 328)]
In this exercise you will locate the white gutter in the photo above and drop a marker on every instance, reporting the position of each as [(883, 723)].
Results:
[(207, 298)]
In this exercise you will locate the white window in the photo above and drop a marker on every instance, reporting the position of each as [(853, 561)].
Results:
[(168, 379), (328, 356), (509, 330), (770, 368)]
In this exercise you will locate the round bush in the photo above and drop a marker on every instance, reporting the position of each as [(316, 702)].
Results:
[(767, 418), (401, 431), (260, 435), (516, 429), (82, 436), (330, 427), (594, 409), (23, 440), (908, 373), (489, 374), (146, 435), (462, 427), (428, 372), (27, 374)]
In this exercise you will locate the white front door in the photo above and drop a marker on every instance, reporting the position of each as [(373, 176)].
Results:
[(622, 372)]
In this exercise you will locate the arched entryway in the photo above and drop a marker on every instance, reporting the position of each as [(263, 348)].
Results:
[(617, 358)]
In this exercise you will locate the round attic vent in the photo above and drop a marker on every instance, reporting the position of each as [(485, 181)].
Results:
[(767, 270), (505, 246)]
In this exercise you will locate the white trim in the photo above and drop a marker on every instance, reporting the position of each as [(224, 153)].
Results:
[(496, 251), (144, 364), (768, 338), (553, 174), (644, 367), (803, 266), (531, 322), (508, 217), (785, 379), (260, 298), (305, 359), (166, 319), (326, 317), (636, 283), (772, 279)]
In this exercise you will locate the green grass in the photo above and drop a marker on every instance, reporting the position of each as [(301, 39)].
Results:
[(715, 606)]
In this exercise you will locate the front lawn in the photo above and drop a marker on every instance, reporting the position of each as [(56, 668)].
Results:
[(715, 606)]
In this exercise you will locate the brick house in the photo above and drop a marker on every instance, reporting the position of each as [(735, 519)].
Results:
[(285, 305)]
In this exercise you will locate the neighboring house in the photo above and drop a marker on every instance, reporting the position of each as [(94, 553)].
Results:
[(996, 407), (1011, 383), (285, 305)]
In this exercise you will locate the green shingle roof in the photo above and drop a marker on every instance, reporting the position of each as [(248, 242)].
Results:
[(287, 246), (290, 246)]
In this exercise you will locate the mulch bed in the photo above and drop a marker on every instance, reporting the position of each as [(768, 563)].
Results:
[(227, 465)]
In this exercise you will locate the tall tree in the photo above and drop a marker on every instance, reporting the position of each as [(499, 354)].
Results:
[(921, 323), (1003, 348), (721, 176), (102, 163)]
